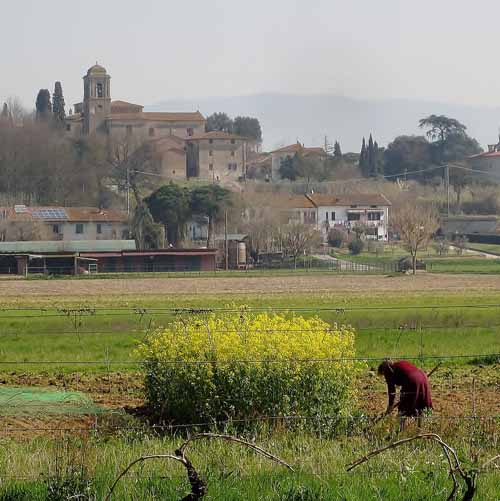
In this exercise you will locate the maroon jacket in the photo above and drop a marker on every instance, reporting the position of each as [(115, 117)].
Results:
[(415, 390)]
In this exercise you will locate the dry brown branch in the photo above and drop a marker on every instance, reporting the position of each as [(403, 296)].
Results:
[(469, 478), (198, 485), (490, 461), (182, 449), (434, 369), (140, 460)]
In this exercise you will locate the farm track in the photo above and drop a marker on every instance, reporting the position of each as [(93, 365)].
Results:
[(304, 283)]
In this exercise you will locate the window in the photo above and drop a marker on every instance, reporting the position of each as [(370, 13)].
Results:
[(210, 141), (129, 130), (374, 216), (79, 228), (333, 216), (125, 234), (210, 153), (55, 229), (99, 228), (233, 141), (232, 153), (326, 217), (151, 132), (189, 131), (99, 90), (68, 127), (210, 166), (353, 216)]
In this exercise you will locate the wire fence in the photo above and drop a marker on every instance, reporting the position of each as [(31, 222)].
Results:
[(118, 376)]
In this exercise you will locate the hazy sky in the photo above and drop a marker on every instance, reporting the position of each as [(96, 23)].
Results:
[(446, 50)]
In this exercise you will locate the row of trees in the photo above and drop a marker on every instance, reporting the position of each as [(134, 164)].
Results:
[(417, 157), (242, 126), (51, 110)]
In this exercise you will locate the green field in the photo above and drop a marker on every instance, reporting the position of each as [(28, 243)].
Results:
[(74, 335), (92, 342)]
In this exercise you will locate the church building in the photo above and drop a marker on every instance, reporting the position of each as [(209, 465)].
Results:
[(182, 147)]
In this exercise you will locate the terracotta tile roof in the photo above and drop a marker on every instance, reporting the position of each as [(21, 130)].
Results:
[(299, 148), (73, 214), (95, 214), (217, 134), (159, 117), (279, 201), (124, 107), (488, 154), (322, 200)]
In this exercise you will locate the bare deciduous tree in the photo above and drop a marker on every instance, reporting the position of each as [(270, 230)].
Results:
[(300, 239), (415, 225)]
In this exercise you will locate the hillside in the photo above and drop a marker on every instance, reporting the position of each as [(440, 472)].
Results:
[(286, 118)]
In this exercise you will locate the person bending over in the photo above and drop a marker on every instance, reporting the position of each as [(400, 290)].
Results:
[(415, 394)]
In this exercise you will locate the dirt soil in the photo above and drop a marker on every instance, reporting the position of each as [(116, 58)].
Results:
[(313, 282), (473, 391)]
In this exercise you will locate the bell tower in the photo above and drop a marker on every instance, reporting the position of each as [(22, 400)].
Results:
[(96, 99)]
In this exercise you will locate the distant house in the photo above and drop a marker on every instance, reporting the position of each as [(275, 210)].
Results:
[(281, 208), (21, 223), (347, 211), (324, 212), (489, 161), (217, 156), (281, 154)]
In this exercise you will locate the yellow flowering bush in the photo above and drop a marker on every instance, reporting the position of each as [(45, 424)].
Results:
[(243, 365)]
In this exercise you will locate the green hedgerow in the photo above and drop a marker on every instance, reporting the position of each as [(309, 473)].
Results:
[(242, 365)]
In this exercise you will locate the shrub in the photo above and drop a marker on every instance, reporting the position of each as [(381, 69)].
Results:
[(336, 237), (356, 246), (243, 366)]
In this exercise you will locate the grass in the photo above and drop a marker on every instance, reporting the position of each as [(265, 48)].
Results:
[(37, 466), (450, 263), (417, 472), (493, 248), (411, 327)]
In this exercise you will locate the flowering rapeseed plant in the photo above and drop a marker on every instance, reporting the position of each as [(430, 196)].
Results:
[(242, 365)]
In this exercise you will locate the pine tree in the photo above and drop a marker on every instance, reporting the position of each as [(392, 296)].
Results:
[(362, 157), (43, 105), (58, 104), (337, 151)]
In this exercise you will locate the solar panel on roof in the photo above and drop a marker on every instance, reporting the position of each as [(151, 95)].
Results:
[(50, 213)]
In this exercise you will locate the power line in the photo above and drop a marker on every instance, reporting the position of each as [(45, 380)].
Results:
[(251, 361)]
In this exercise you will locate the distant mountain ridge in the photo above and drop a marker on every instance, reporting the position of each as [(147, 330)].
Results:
[(286, 118)]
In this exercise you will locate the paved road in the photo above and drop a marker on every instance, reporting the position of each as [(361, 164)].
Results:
[(344, 265)]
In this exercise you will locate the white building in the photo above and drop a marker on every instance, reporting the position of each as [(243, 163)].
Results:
[(347, 211)]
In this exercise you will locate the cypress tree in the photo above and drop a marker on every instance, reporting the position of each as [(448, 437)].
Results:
[(337, 151), (43, 105), (5, 115), (371, 163), (362, 157), (58, 104)]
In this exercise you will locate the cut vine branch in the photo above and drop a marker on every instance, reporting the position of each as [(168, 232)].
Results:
[(469, 477), (198, 484)]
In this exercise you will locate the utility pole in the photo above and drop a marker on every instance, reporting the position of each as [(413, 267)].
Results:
[(226, 249), (128, 191), (447, 177)]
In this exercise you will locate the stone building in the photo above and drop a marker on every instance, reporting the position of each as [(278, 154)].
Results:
[(182, 148)]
